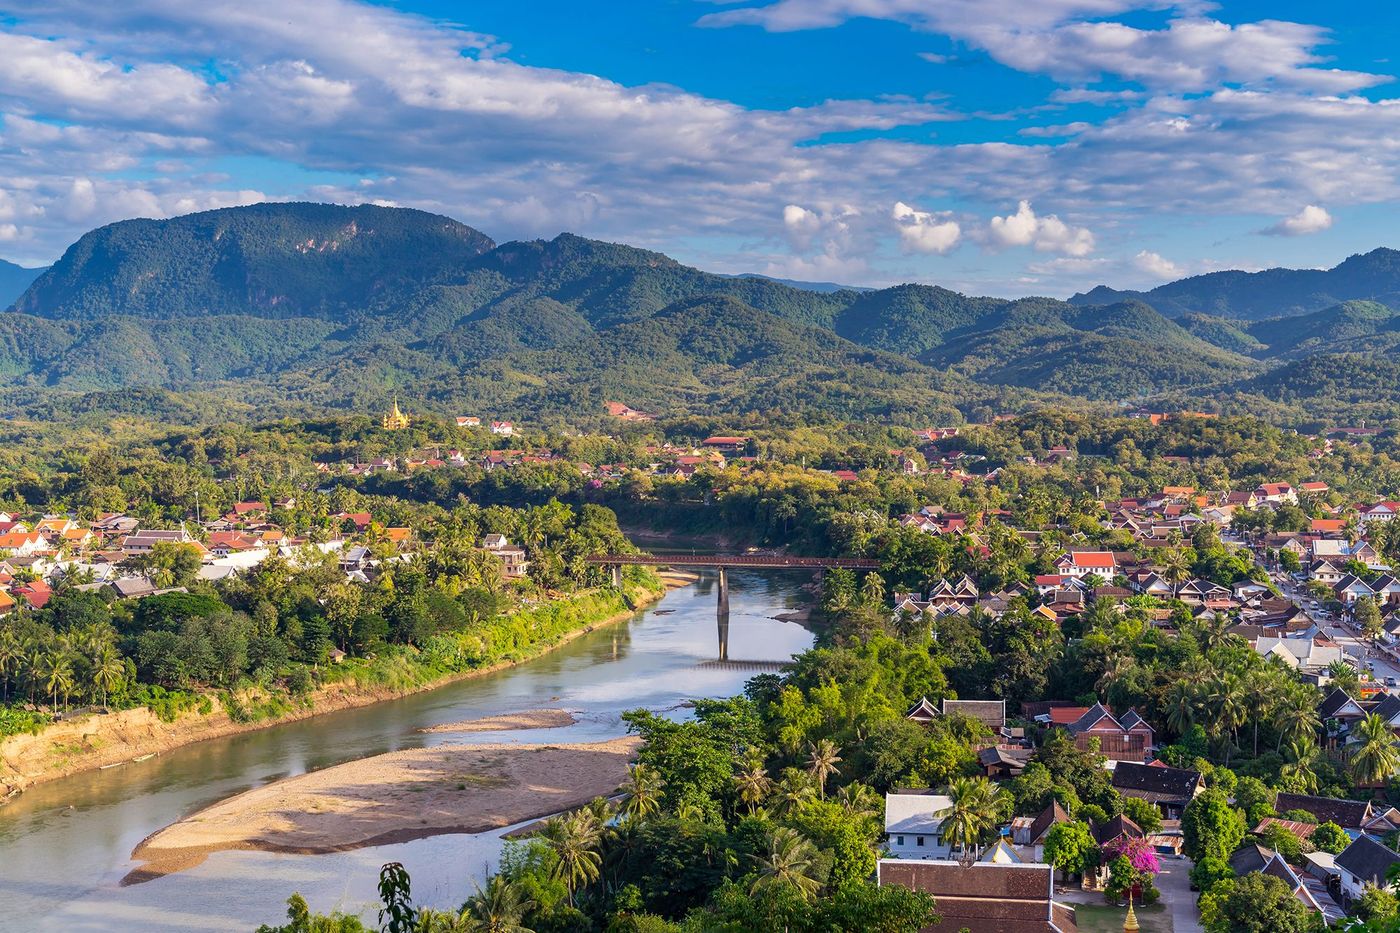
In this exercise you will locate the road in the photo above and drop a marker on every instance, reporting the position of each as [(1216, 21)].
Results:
[(1381, 661)]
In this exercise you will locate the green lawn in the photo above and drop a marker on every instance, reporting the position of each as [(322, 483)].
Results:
[(1095, 918)]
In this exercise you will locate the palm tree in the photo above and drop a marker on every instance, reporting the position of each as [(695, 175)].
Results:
[(1175, 567), (57, 673), (1230, 706), (1297, 717), (107, 670), (1181, 706), (1299, 765), (979, 807), (1376, 756), (789, 861), (11, 656), (644, 792), (792, 790), (500, 907), (859, 799), (823, 757), (574, 839), (753, 784)]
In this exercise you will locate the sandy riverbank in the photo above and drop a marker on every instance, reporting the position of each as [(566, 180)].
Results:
[(525, 719), (393, 798), (90, 742)]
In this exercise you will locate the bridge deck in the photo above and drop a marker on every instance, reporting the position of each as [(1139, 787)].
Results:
[(733, 560)]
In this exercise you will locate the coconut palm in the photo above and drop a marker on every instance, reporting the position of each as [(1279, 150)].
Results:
[(791, 791), (107, 670), (859, 799), (822, 758), (1175, 567), (574, 839), (1298, 766), (11, 656), (500, 907), (644, 792), (57, 673), (1296, 717), (1376, 755), (979, 807), (789, 862), (1181, 706), (753, 784)]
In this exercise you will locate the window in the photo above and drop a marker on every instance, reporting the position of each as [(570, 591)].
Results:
[(899, 840), (919, 841)]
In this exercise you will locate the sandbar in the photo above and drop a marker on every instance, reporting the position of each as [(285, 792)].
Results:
[(391, 798)]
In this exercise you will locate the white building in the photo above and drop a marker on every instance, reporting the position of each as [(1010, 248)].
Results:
[(914, 824)]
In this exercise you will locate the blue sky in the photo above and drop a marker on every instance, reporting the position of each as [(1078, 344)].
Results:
[(992, 146)]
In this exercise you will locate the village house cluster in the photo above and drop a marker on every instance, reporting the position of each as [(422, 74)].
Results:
[(108, 554)]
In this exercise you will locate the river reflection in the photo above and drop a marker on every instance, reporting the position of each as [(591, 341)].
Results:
[(65, 846)]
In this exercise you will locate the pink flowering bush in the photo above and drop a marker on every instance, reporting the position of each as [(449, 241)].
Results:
[(1140, 854)]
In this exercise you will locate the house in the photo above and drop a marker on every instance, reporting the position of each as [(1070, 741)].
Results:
[(1252, 857), (142, 541), (468, 421), (1004, 761), (1364, 862), (1114, 829), (1349, 589), (1357, 817), (914, 823), (985, 897), (1380, 512), (1128, 739), (1030, 832), (503, 428), (728, 444), (1171, 789), (1338, 712), (1303, 654), (513, 562), (923, 712), (991, 713), (22, 543), (1082, 563), (1274, 493), (1324, 571)]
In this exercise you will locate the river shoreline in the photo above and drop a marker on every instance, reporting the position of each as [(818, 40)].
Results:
[(97, 741)]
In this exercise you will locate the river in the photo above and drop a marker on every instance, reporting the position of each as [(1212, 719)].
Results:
[(64, 846)]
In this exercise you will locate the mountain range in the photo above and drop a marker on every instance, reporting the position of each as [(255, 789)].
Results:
[(301, 307)]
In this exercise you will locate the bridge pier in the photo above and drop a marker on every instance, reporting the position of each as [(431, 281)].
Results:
[(617, 576), (722, 614)]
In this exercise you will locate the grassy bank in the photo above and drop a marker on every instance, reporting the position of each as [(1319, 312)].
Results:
[(93, 741)]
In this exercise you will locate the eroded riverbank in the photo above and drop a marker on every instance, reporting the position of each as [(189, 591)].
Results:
[(101, 741)]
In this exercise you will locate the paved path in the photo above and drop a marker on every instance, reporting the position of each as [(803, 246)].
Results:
[(1177, 895)]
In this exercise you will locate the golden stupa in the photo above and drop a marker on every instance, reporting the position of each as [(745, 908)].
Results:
[(1130, 923), (396, 420)]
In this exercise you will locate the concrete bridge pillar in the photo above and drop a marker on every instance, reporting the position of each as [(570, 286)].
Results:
[(722, 614), (617, 576)]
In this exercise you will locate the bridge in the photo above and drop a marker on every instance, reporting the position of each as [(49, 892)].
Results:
[(723, 563)]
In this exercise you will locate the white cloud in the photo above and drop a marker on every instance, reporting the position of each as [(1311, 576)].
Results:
[(924, 232), (1311, 219), (1047, 234), (1075, 40), (1157, 265), (802, 226)]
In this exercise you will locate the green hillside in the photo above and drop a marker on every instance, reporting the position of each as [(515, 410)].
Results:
[(268, 260), (1271, 293), (13, 282), (303, 307)]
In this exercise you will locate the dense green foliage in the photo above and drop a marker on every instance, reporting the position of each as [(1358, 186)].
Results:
[(300, 307)]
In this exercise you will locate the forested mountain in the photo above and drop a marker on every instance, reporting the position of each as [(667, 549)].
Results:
[(1271, 293), (14, 280), (296, 307)]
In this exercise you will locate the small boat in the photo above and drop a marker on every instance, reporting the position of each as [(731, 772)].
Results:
[(145, 756), (115, 764)]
